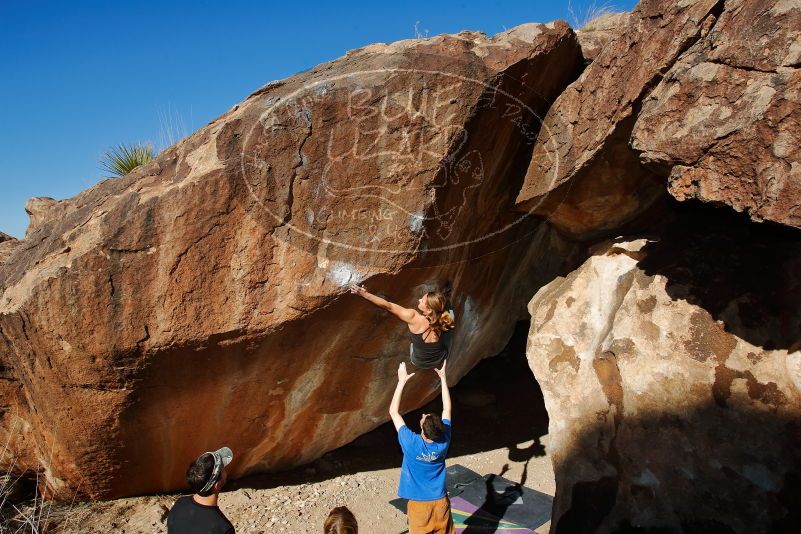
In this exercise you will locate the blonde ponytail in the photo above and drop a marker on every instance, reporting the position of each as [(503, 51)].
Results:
[(440, 319), (446, 321)]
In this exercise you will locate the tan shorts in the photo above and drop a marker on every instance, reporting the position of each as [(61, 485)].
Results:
[(430, 517)]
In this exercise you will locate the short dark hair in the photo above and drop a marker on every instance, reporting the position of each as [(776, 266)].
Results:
[(198, 473), (433, 427)]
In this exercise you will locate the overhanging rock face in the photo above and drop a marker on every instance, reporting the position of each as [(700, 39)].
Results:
[(700, 98), (202, 299), (583, 174), (723, 122)]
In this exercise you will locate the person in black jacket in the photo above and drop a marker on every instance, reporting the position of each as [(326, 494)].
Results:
[(198, 513)]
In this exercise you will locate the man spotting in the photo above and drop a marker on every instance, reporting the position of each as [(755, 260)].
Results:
[(422, 479), (198, 513)]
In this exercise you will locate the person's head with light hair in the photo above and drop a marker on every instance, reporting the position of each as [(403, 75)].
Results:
[(340, 521)]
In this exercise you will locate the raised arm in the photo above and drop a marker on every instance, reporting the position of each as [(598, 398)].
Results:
[(404, 314), (446, 393), (394, 406)]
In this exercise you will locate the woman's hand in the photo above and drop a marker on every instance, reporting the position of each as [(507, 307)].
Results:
[(441, 371), (403, 376), (358, 290), (404, 314)]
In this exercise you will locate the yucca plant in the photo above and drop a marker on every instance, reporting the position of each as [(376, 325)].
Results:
[(122, 159)]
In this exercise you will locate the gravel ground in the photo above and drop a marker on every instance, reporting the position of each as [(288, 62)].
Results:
[(299, 507)]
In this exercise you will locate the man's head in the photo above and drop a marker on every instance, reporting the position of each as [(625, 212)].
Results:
[(206, 475), (431, 426)]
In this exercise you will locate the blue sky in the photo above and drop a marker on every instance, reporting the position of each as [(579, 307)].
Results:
[(81, 76)]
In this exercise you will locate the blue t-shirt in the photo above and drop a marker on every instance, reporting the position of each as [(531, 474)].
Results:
[(423, 471)]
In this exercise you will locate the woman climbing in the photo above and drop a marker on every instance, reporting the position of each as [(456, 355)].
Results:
[(430, 325)]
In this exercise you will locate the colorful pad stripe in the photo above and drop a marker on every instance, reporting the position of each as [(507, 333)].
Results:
[(468, 518)]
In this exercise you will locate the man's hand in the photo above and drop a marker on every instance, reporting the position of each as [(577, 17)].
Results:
[(356, 289), (394, 406), (446, 394), (403, 375), (441, 371)]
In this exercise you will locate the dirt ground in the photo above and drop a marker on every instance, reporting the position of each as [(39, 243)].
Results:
[(498, 419)]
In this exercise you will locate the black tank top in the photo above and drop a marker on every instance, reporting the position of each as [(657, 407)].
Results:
[(428, 355)]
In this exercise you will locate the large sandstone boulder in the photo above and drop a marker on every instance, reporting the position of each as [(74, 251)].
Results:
[(703, 94), (723, 125), (583, 175), (202, 299), (670, 366)]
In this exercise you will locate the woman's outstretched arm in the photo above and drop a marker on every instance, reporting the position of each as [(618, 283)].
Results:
[(404, 314)]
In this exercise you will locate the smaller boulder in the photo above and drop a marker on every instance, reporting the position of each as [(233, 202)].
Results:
[(7, 244), (39, 209), (597, 33)]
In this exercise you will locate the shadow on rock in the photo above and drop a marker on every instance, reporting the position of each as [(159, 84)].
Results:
[(496, 405), (707, 469), (744, 274)]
